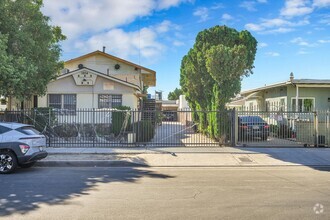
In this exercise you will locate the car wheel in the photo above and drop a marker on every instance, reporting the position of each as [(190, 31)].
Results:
[(8, 162), (27, 165)]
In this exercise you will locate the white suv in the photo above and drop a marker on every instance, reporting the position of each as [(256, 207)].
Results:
[(20, 145)]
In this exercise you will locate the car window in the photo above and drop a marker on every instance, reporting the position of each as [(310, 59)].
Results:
[(250, 119), (28, 130)]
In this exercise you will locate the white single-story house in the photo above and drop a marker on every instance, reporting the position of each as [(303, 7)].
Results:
[(95, 80)]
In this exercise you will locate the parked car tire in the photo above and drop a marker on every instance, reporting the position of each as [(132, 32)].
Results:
[(8, 162), (27, 165)]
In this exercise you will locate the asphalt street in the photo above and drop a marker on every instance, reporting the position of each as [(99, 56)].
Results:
[(166, 193)]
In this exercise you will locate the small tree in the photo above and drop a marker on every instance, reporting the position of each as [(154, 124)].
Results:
[(175, 94)]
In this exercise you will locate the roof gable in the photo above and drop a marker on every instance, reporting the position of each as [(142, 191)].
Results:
[(149, 76), (72, 73)]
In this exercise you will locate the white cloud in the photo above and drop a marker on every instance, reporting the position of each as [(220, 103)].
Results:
[(302, 42), (321, 3), (77, 17), (262, 45), (165, 26), (217, 6), (302, 52), (325, 20), (296, 8), (248, 5), (227, 17), (202, 13), (276, 25), (125, 44), (254, 27), (272, 54), (323, 41), (90, 24), (278, 31), (165, 4), (178, 43)]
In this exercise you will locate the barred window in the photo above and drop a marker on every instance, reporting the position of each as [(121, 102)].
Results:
[(116, 100), (69, 101), (109, 101), (55, 101), (63, 101)]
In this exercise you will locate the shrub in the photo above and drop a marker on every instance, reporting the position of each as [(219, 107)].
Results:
[(145, 130), (118, 118), (66, 130)]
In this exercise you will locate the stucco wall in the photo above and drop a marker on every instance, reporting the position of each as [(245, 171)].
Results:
[(107, 66), (87, 96), (321, 96)]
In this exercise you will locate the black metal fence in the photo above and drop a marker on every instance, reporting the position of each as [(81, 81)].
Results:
[(282, 128), (126, 128), (122, 128)]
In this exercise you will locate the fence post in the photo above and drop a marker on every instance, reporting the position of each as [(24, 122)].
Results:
[(233, 127), (93, 126), (316, 130), (49, 112)]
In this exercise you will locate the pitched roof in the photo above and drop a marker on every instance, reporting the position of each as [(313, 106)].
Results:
[(293, 82), (149, 74)]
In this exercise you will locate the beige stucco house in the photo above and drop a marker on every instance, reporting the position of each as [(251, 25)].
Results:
[(95, 80)]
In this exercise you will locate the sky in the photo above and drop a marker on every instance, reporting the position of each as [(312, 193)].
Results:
[(293, 35)]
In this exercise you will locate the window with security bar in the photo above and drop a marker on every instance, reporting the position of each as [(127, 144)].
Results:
[(67, 103), (109, 101)]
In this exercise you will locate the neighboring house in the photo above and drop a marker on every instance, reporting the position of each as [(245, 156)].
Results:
[(95, 80), (312, 94)]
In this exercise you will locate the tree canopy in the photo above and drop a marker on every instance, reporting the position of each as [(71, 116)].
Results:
[(29, 49), (212, 71), (175, 94)]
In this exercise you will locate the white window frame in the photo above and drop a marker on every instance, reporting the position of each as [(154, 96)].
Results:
[(275, 104), (302, 98)]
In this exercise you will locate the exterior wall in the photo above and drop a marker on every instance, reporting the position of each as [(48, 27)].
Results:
[(274, 96), (321, 96), (87, 96), (183, 104), (107, 66), (252, 105)]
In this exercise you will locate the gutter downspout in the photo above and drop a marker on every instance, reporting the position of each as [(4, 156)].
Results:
[(297, 97)]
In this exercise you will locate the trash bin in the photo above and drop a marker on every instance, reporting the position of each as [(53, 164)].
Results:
[(321, 140)]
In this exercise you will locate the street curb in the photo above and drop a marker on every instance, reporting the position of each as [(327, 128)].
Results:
[(87, 163), (107, 163)]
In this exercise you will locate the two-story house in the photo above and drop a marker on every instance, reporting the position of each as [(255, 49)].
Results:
[(95, 80)]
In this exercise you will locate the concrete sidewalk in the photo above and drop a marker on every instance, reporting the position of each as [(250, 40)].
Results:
[(183, 157)]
